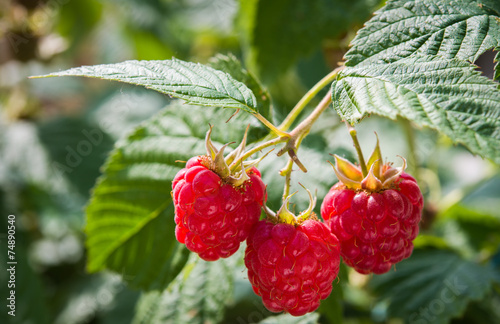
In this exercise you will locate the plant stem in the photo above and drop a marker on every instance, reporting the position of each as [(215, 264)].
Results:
[(287, 171), (256, 149), (355, 141), (270, 125), (292, 116), (304, 127), (299, 132)]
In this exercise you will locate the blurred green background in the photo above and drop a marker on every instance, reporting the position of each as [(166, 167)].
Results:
[(55, 135)]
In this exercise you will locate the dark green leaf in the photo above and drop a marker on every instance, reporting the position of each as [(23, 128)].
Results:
[(199, 294), (433, 286), (195, 83), (462, 29), (130, 227), (280, 32), (446, 95)]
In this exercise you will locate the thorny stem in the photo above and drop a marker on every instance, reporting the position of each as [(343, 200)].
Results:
[(355, 141), (299, 107)]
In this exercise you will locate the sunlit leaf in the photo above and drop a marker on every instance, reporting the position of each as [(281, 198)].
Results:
[(462, 29), (195, 83), (446, 95)]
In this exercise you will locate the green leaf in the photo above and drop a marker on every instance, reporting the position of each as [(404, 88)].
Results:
[(433, 285), (199, 294), (278, 33), (311, 318), (130, 227), (462, 29), (231, 65), (195, 83), (445, 95)]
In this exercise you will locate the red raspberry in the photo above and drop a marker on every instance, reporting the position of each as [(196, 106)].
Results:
[(213, 217), (375, 229), (292, 267)]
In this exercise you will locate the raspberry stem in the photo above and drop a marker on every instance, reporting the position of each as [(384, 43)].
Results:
[(355, 141), (299, 107), (301, 131), (270, 125), (236, 163), (286, 172)]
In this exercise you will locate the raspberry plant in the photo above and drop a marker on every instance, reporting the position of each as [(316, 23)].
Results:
[(410, 63)]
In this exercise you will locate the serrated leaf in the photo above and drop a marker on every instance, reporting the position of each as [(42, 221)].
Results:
[(433, 283), (195, 83), (199, 294), (462, 29), (130, 227), (278, 33), (231, 65), (446, 95), (311, 318)]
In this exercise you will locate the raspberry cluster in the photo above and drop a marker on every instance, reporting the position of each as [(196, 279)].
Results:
[(371, 219), (376, 229), (213, 217), (292, 267)]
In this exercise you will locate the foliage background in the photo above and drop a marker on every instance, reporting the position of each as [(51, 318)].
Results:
[(289, 45)]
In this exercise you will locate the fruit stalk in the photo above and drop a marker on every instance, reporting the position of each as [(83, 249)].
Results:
[(299, 107), (355, 141)]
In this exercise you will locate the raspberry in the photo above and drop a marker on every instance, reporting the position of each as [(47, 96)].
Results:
[(292, 267), (212, 217), (375, 218)]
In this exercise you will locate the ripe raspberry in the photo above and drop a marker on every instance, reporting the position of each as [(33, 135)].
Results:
[(292, 267), (212, 217), (375, 218)]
